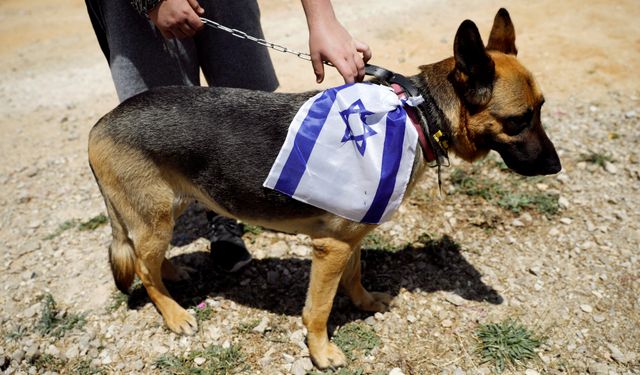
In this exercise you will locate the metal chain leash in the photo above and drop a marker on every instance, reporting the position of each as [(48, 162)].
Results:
[(242, 35)]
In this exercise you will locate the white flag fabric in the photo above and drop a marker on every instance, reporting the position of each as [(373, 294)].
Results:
[(349, 151)]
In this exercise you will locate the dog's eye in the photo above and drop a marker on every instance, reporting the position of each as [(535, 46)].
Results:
[(515, 124)]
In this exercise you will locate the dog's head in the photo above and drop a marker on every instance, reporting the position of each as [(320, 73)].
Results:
[(501, 101)]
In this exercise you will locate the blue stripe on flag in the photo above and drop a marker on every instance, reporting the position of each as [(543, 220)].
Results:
[(391, 156), (305, 140)]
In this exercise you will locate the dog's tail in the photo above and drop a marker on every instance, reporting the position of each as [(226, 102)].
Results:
[(121, 253)]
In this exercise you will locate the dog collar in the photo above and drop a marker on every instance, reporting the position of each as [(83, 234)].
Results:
[(427, 151)]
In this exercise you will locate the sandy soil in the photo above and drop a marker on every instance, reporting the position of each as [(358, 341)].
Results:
[(54, 84)]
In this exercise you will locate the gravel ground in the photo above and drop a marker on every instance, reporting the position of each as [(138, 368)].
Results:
[(451, 263)]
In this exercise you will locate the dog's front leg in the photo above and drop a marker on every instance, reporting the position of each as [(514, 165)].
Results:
[(351, 284), (330, 257)]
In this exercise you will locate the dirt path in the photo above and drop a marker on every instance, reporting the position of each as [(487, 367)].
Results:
[(572, 275)]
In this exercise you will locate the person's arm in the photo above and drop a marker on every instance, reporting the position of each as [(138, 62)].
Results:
[(174, 18), (330, 41)]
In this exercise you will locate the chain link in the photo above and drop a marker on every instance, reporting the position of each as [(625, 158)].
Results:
[(242, 35)]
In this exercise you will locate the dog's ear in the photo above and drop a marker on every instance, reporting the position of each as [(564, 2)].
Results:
[(474, 68), (503, 34)]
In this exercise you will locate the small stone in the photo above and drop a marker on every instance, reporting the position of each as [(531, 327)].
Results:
[(517, 223), (18, 356), (616, 353), (73, 352), (4, 363), (542, 187), (378, 316), (370, 321), (566, 221), (53, 351), (554, 232), (32, 310), (459, 371), (138, 365), (32, 352), (297, 336), (455, 299), (610, 167), (396, 371), (630, 114), (262, 326), (586, 308), (535, 270), (598, 369), (278, 249), (288, 358), (563, 202), (531, 371), (599, 318), (593, 108), (301, 366), (411, 318), (301, 250), (447, 323), (199, 361)]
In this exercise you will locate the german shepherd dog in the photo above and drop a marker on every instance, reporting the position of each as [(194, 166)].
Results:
[(160, 150)]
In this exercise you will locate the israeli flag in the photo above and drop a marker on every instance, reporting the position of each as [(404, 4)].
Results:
[(349, 151)]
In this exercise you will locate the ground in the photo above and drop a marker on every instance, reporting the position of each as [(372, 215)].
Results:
[(558, 254)]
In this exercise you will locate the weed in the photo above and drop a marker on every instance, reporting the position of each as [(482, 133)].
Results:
[(47, 362), (17, 333), (217, 361), (117, 299), (203, 311), (252, 229), (596, 158), (55, 324), (545, 203), (93, 223), (83, 367), (374, 241), (343, 371), (356, 336), (247, 326), (69, 224), (506, 344)]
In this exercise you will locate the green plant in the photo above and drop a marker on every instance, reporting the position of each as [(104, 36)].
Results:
[(374, 241), (203, 311), (252, 229), (69, 224), (247, 326), (217, 360), (356, 336), (596, 158), (47, 362), (83, 367), (506, 344), (17, 333), (93, 223), (55, 324), (117, 299)]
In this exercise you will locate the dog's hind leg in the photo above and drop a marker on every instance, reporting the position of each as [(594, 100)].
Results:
[(351, 283), (121, 253), (330, 257)]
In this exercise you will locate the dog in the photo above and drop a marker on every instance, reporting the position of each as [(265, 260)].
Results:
[(160, 150)]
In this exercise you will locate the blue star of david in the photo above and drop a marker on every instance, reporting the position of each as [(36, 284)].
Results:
[(360, 140)]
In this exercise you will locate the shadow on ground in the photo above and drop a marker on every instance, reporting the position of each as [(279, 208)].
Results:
[(279, 285)]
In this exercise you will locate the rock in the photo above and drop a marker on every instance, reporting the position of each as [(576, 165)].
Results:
[(598, 369), (586, 308), (278, 249), (610, 167), (517, 223), (199, 361), (630, 114), (301, 250), (566, 221), (411, 318), (599, 318), (379, 316), (530, 371), (262, 326), (32, 352), (138, 365), (459, 371), (301, 366), (616, 353), (447, 323), (73, 352), (370, 321), (288, 358), (396, 371), (535, 270), (53, 351), (454, 299), (563, 203), (297, 336), (32, 310), (17, 356)]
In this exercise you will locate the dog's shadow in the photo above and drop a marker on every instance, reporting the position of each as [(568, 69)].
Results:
[(279, 285)]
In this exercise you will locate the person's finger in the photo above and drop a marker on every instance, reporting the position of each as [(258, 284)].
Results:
[(196, 6), (360, 66), (175, 30), (186, 29), (346, 68), (364, 49), (194, 22), (318, 67)]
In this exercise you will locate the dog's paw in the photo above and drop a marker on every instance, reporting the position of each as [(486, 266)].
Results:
[(181, 322), (379, 302), (328, 356)]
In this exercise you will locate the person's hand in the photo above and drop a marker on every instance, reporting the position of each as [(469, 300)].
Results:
[(330, 41), (177, 18)]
